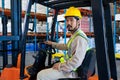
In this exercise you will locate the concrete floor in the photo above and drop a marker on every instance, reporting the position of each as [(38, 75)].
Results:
[(30, 60)]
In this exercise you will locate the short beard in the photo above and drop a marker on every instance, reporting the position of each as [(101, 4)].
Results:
[(69, 27), (73, 30)]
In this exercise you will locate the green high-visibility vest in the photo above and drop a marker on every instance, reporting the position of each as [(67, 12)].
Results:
[(77, 33)]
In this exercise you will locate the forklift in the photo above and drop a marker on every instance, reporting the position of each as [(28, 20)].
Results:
[(102, 30)]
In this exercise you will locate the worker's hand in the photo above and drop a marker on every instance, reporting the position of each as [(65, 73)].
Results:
[(56, 66), (48, 42)]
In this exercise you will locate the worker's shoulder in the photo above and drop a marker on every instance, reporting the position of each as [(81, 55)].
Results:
[(77, 38)]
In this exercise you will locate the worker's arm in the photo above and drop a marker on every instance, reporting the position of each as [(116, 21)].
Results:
[(57, 45), (78, 49)]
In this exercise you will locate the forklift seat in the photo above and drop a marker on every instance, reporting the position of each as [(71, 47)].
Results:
[(87, 69)]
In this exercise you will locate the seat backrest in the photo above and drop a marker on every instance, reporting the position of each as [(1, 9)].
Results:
[(87, 68)]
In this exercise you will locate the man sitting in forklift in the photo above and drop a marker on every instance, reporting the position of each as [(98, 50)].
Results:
[(76, 47)]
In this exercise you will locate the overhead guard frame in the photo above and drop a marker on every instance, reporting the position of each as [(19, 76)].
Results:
[(103, 41)]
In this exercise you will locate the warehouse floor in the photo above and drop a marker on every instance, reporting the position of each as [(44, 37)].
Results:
[(30, 60)]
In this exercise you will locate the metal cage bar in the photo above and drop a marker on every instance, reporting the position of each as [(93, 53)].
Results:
[(100, 40), (108, 21)]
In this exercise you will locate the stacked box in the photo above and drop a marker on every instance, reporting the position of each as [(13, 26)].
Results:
[(84, 24)]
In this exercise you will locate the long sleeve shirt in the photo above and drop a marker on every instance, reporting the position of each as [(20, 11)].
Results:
[(77, 50)]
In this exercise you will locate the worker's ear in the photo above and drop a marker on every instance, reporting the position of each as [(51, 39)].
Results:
[(78, 22)]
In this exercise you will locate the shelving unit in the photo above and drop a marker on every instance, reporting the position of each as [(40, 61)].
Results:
[(43, 17), (39, 16), (43, 35)]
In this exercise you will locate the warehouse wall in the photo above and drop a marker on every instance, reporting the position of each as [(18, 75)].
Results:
[(39, 9)]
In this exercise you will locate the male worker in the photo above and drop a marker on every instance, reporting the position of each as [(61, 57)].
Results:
[(76, 47)]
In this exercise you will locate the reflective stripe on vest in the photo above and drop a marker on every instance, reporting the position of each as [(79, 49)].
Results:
[(77, 33)]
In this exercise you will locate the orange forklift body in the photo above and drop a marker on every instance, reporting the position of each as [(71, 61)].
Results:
[(13, 73)]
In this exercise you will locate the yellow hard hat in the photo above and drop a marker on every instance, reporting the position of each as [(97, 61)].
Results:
[(72, 11)]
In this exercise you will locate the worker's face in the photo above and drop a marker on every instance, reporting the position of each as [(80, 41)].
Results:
[(72, 23)]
